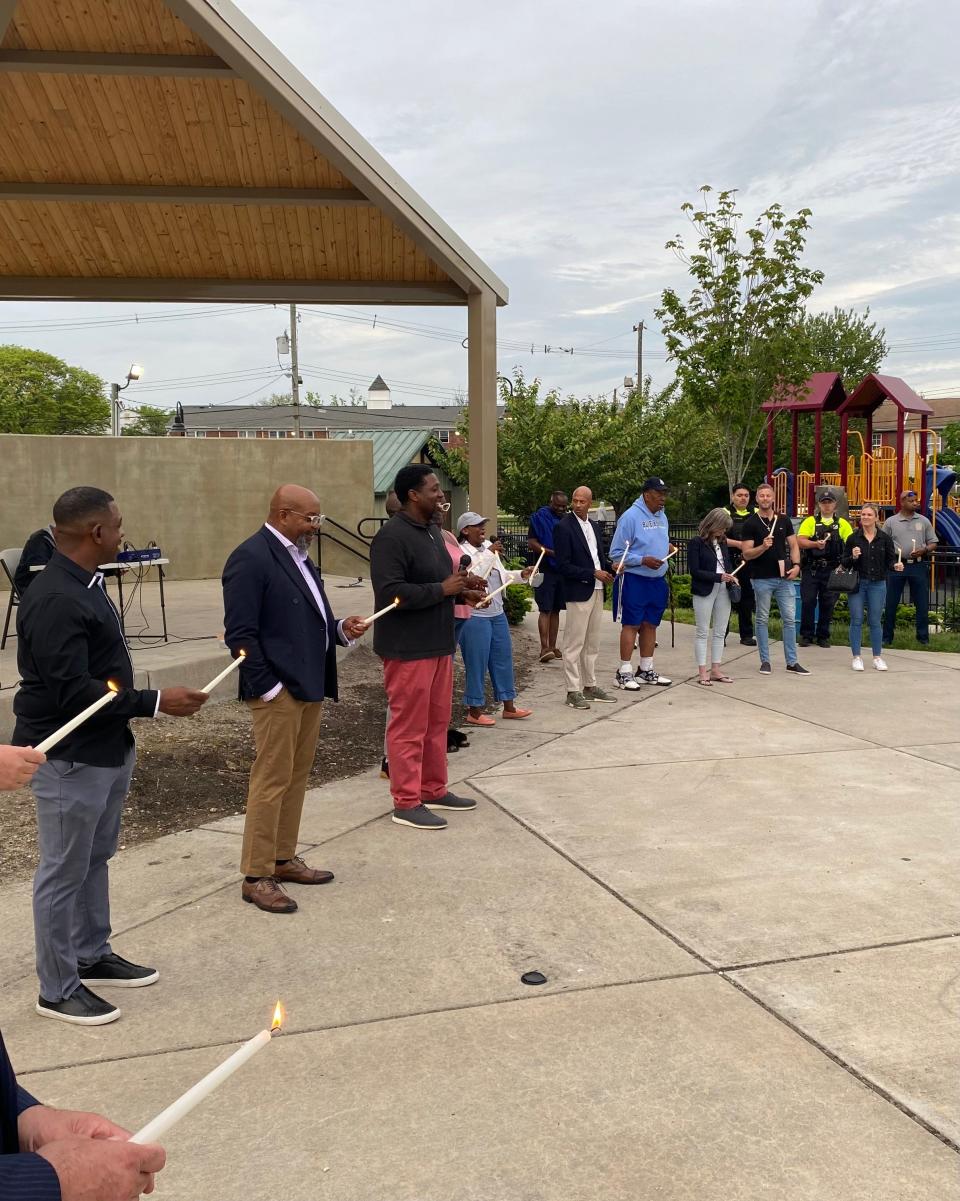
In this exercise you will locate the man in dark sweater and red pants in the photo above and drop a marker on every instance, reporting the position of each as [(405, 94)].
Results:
[(410, 563)]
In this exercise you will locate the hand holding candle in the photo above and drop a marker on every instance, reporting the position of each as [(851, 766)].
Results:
[(155, 1130), (368, 621), (71, 725), (232, 666)]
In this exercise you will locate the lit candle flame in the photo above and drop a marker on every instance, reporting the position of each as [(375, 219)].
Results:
[(277, 1018), (241, 654), (396, 600), (113, 686)]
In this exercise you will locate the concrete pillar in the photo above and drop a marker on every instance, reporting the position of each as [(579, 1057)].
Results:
[(482, 391)]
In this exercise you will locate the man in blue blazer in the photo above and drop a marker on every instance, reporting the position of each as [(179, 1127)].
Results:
[(277, 613), (581, 562)]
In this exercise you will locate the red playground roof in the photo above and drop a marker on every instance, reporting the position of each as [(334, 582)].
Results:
[(823, 390), (869, 395)]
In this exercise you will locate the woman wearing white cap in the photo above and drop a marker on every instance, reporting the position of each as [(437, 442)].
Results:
[(485, 639)]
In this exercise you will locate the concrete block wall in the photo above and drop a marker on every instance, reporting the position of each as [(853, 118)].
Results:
[(196, 498)]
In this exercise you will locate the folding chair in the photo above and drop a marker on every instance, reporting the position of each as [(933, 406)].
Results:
[(10, 561)]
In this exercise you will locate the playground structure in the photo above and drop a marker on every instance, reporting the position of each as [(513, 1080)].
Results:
[(867, 474)]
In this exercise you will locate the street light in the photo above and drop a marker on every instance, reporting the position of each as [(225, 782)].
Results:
[(135, 372)]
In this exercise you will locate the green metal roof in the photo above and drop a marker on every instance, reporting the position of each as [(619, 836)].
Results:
[(392, 449)]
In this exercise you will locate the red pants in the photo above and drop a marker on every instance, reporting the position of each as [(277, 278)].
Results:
[(420, 695)]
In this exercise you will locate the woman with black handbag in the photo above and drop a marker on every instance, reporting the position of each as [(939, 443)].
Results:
[(871, 554), (708, 558)]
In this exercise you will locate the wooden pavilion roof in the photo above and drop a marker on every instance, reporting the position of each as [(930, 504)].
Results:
[(166, 150)]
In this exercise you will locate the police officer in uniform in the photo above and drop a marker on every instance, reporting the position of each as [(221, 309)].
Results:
[(740, 509), (821, 538)]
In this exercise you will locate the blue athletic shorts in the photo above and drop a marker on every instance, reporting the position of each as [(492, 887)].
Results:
[(549, 596), (644, 599)]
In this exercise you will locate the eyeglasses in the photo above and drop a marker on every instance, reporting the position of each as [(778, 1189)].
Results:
[(315, 519)]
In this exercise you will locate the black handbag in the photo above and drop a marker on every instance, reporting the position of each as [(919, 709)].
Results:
[(843, 579), (736, 593)]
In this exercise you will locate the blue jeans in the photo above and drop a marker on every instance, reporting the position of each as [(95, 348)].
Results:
[(870, 595), (485, 645), (919, 576), (786, 594)]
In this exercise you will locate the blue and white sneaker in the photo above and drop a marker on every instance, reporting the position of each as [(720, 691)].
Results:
[(626, 680), (654, 678)]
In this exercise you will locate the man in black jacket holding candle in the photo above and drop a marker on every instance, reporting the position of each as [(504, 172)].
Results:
[(70, 644)]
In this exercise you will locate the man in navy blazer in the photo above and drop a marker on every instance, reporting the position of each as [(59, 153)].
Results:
[(580, 560), (277, 613)]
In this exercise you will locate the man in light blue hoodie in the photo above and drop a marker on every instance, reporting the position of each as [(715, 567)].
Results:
[(641, 593)]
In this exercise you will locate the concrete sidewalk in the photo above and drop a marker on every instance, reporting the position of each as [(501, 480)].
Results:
[(744, 900)]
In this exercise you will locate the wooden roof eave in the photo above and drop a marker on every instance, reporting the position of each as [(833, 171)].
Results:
[(239, 43)]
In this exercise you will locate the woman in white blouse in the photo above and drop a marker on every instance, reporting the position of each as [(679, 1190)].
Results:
[(485, 640)]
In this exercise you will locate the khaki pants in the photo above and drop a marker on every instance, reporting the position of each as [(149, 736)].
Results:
[(285, 731), (581, 641)]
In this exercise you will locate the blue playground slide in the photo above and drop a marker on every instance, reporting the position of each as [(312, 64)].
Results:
[(948, 523)]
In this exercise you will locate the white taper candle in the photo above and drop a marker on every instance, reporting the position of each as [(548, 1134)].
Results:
[(158, 1127), (233, 665), (368, 621), (71, 725)]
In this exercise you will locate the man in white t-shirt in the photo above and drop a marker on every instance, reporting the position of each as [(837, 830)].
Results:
[(579, 558)]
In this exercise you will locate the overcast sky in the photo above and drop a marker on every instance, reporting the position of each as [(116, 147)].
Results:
[(559, 140)]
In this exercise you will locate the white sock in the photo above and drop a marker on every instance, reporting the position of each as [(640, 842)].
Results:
[(646, 664), (627, 668)]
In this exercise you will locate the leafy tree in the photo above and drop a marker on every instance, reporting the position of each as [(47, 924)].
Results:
[(844, 341), (151, 422), (949, 454), (547, 442), (733, 339), (41, 394)]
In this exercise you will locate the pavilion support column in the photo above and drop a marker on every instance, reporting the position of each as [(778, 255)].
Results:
[(482, 392)]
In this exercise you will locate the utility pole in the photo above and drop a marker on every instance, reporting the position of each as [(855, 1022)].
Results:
[(295, 372), (638, 330)]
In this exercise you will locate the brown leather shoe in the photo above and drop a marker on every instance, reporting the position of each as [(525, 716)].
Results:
[(267, 895), (295, 871)]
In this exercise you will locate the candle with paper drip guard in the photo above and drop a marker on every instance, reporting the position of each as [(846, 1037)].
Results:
[(232, 666), (368, 621), (156, 1129), (68, 728)]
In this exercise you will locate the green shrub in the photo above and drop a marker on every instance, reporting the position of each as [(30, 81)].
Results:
[(951, 614), (517, 601), (906, 615), (517, 598), (682, 595)]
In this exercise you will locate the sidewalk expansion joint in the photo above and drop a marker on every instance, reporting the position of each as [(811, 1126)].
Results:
[(844, 1065), (722, 974), (870, 946), (380, 1020)]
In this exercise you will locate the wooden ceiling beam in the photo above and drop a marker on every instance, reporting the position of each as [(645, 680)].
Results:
[(160, 194), (71, 62), (240, 291), (6, 14)]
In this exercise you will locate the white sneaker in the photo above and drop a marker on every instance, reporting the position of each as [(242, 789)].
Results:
[(857, 663), (627, 681), (879, 664)]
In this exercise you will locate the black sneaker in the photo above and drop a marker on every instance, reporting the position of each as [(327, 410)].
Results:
[(118, 972), (824, 642), (450, 801), (420, 818), (805, 641), (82, 1008), (456, 739), (384, 769), (748, 642), (797, 669), (765, 668)]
